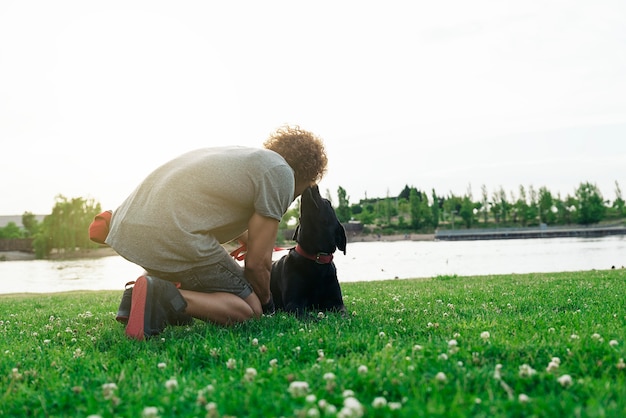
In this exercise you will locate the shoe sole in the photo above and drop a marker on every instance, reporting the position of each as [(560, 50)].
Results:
[(123, 312), (136, 326)]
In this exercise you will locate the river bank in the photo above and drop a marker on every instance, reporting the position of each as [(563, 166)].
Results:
[(107, 252), (91, 253)]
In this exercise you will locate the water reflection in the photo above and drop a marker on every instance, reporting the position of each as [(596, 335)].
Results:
[(364, 261)]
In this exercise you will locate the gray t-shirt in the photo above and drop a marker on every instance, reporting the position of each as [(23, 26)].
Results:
[(181, 213)]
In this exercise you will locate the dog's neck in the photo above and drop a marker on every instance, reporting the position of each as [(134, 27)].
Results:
[(319, 258)]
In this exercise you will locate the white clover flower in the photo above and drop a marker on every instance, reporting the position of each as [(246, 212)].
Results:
[(310, 398), (552, 366), (171, 384), (526, 371), (613, 343), (441, 377), (485, 335), (274, 362), (478, 401), (565, 380), (161, 365), (329, 376), (78, 353), (596, 336), (347, 393), (620, 364), (497, 372), (108, 390), (150, 412), (523, 398), (320, 315), (379, 402), (394, 406), (330, 409), (298, 389), (355, 407), (211, 408), (443, 356), (362, 369), (456, 335), (381, 334), (313, 413), (48, 341), (453, 343), (255, 341), (250, 374), (263, 348), (574, 337), (231, 363), (417, 347), (320, 353), (556, 360)]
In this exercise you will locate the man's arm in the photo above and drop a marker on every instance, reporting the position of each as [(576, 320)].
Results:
[(262, 233)]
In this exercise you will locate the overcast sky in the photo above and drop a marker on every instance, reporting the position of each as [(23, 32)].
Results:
[(443, 95)]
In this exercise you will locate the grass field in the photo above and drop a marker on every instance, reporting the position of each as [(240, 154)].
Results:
[(548, 345)]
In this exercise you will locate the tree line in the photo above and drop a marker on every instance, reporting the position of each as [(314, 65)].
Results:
[(64, 230), (413, 210)]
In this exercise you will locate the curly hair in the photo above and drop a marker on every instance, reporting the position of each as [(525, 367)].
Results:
[(303, 151)]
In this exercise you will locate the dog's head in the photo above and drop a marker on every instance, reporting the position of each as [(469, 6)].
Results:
[(319, 230)]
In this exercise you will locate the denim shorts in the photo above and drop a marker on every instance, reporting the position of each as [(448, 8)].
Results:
[(224, 276)]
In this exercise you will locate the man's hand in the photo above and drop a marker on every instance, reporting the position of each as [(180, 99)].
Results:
[(262, 233)]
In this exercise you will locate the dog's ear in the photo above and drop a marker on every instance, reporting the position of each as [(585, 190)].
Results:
[(295, 233), (340, 238)]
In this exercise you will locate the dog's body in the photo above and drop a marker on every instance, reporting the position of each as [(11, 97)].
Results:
[(306, 278)]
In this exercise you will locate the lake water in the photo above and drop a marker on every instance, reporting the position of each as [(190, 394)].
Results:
[(363, 261)]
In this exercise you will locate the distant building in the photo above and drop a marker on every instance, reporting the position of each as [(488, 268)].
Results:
[(17, 219)]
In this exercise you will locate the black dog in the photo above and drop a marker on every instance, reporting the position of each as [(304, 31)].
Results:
[(306, 278)]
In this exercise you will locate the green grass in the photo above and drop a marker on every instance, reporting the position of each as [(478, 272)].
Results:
[(60, 353)]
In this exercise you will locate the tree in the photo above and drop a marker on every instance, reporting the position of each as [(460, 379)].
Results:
[(467, 211), (590, 204), (452, 206), (343, 210), (485, 203), (31, 224), (521, 206), (546, 206), (618, 203), (10, 231), (66, 228), (415, 203), (435, 210), (405, 193)]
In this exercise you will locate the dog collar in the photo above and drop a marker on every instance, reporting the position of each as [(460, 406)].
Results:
[(319, 258)]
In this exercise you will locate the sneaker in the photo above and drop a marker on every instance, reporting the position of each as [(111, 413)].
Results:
[(123, 312), (152, 301)]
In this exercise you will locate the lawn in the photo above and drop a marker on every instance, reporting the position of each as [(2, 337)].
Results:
[(517, 345)]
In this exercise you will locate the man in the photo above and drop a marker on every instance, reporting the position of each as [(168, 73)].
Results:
[(174, 223)]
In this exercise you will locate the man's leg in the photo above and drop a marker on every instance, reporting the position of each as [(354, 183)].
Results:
[(221, 307)]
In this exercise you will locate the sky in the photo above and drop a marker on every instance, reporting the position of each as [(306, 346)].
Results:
[(447, 95)]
